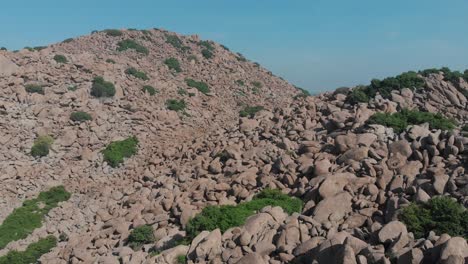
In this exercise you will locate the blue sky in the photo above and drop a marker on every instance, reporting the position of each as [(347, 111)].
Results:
[(315, 44)]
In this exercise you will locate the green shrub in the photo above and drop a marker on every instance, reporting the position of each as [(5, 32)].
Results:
[(175, 105), (113, 32), (241, 57), (131, 44), (3, 48), (41, 146), (140, 236), (80, 116), (465, 128), (240, 82), (175, 41), (68, 40), (200, 86), (136, 73), (110, 61), (250, 111), (72, 88), (181, 259), (440, 214), (207, 54), (60, 59), (258, 85), (358, 95), (102, 88), (173, 64), (227, 216), (32, 253), (208, 45), (23, 220), (303, 93), (149, 89), (116, 151), (34, 88), (225, 48), (399, 121)]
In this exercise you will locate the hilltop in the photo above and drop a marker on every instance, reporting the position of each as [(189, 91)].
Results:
[(149, 132)]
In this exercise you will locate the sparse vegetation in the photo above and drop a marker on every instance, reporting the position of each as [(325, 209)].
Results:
[(131, 44), (176, 42), (23, 220), (240, 82), (68, 40), (72, 88), (102, 88), (192, 58), (207, 45), (3, 48), (32, 253), (257, 84), (173, 64), (137, 74), (60, 59), (250, 111), (116, 151), (113, 32), (207, 54), (181, 259), (440, 214), (34, 88), (399, 121), (303, 93), (227, 216), (200, 86), (41, 146), (149, 89), (140, 236), (176, 105), (80, 116), (385, 87), (110, 61)]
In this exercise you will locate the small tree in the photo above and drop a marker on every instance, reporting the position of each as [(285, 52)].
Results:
[(173, 64), (60, 59), (102, 88), (41, 146)]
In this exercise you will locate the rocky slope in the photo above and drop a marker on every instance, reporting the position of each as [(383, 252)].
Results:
[(353, 177)]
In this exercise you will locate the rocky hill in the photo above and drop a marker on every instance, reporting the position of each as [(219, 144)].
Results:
[(370, 169)]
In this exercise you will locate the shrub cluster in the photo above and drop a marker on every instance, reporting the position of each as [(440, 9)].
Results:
[(149, 89), (173, 64), (176, 42), (32, 253), (200, 86), (116, 151), (207, 54), (449, 75), (176, 105), (102, 88), (227, 216), (399, 121), (240, 82), (41, 146), (141, 235), (137, 74), (23, 220), (131, 44), (113, 32), (303, 93), (60, 59), (80, 116), (250, 111), (440, 214), (385, 87), (34, 88)]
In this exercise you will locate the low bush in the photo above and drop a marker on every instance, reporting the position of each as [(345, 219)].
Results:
[(41, 146), (258, 85), (32, 253), (60, 59), (116, 151), (200, 86), (3, 48), (302, 93), (131, 44), (176, 105), (68, 40), (385, 87), (440, 214), (174, 40), (23, 220), (102, 88), (80, 116), (399, 121), (149, 89), (113, 32), (137, 74), (207, 45), (240, 82), (181, 259), (227, 216), (34, 88), (250, 111), (140, 236), (173, 64), (72, 88), (207, 54), (110, 61)]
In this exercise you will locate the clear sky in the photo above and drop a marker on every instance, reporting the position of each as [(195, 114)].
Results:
[(316, 44)]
